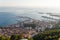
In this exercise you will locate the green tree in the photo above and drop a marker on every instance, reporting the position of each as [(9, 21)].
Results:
[(30, 38), (14, 37), (2, 38), (7, 38)]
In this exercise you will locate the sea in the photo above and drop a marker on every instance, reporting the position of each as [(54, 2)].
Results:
[(10, 15)]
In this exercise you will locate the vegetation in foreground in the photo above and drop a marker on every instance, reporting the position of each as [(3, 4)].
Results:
[(48, 35), (14, 37), (53, 34)]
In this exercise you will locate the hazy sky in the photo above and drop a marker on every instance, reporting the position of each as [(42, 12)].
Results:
[(31, 3)]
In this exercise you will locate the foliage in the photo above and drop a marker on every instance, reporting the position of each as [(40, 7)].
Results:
[(48, 35), (2, 38), (14, 37)]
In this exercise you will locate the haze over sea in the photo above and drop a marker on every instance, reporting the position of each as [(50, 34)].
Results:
[(8, 15)]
